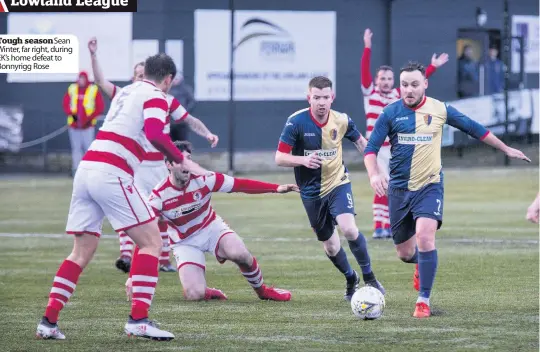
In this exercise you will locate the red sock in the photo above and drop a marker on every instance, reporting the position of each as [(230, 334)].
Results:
[(381, 218), (126, 244), (135, 255), (63, 286), (144, 278), (253, 274), (164, 258)]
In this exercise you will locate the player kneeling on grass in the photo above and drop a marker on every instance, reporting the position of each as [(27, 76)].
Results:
[(183, 199)]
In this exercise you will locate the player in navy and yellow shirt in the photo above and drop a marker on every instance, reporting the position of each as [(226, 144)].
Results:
[(414, 125), (311, 142)]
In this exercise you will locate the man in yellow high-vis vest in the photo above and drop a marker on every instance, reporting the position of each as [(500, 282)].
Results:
[(83, 103)]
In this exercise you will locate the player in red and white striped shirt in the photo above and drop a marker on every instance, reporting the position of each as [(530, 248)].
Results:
[(378, 94), (104, 186), (183, 199), (152, 169)]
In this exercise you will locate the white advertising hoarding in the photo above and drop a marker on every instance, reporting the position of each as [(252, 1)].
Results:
[(527, 27), (276, 53), (489, 111)]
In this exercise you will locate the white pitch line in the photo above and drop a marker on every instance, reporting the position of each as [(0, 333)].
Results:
[(295, 239)]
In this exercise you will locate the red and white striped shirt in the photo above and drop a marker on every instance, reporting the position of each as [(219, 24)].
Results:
[(374, 99), (188, 209), (177, 113), (121, 144)]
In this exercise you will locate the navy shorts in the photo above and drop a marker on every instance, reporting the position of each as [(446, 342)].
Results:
[(322, 212), (406, 206)]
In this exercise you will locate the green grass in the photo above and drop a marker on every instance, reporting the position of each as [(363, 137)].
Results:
[(486, 294)]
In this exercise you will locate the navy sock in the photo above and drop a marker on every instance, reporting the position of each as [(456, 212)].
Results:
[(414, 258), (427, 267), (359, 250), (342, 263)]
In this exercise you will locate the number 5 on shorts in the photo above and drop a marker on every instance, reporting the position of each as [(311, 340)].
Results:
[(350, 204), (438, 208)]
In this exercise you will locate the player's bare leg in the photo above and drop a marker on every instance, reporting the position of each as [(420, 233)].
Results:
[(381, 216), (193, 281), (358, 246), (165, 256), (231, 247), (65, 281), (408, 253), (123, 262), (336, 254), (144, 276)]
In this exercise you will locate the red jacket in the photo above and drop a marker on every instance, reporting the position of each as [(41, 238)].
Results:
[(83, 104)]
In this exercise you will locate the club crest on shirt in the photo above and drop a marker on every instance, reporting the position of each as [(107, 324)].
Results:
[(427, 119), (333, 134), (197, 196)]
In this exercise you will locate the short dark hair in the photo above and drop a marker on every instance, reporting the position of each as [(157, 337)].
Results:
[(412, 66), (320, 82), (384, 68), (182, 146), (159, 66)]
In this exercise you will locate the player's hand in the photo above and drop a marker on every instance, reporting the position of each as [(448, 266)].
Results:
[(379, 183), (193, 167), (533, 212), (367, 38), (129, 290), (313, 161), (516, 154), (213, 139), (440, 60), (288, 188), (92, 45)]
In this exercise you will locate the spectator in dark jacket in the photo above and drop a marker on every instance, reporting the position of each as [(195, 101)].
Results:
[(467, 74), (184, 93), (495, 72)]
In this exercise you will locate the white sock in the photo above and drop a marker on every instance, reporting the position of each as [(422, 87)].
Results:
[(422, 300)]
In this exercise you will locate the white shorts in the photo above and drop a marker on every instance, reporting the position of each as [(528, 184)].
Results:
[(148, 175), (97, 194), (192, 249), (383, 160)]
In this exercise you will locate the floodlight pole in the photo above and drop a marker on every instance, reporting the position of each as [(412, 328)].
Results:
[(507, 47), (231, 92)]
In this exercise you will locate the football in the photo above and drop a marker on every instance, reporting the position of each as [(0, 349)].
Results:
[(368, 303)]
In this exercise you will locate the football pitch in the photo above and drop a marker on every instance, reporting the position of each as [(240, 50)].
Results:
[(486, 294)]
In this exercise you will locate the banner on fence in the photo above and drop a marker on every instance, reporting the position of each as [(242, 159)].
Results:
[(275, 53)]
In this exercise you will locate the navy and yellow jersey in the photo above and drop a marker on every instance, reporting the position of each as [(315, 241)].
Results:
[(303, 135), (415, 139)]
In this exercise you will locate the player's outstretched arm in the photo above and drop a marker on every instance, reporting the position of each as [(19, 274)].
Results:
[(458, 120), (179, 113), (495, 142), (200, 128), (106, 86), (365, 62), (533, 212), (436, 62), (218, 182)]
